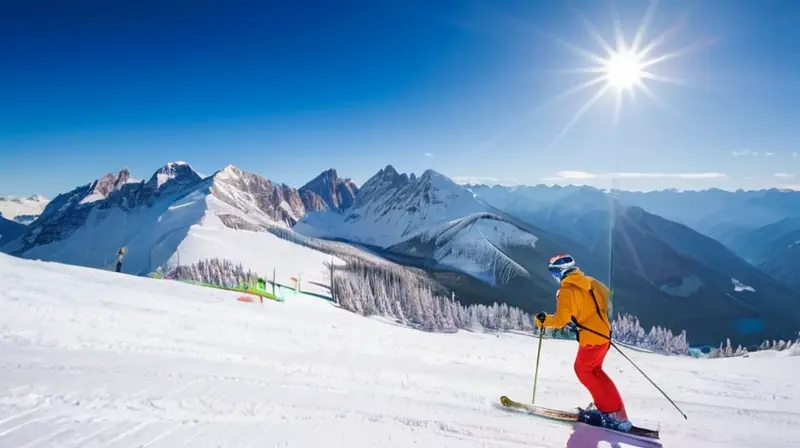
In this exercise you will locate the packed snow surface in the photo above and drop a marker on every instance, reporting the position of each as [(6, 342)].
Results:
[(91, 358)]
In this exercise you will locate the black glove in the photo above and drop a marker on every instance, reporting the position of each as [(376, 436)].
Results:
[(541, 316)]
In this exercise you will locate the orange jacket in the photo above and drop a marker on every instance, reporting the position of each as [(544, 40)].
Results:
[(574, 299)]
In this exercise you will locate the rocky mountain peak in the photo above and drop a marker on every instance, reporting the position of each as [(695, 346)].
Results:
[(104, 186), (248, 192), (174, 174), (328, 192)]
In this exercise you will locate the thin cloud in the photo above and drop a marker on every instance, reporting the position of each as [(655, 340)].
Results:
[(484, 180), (783, 175), (584, 175), (751, 153), (794, 154), (427, 154)]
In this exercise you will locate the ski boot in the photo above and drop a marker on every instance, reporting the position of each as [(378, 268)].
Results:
[(604, 420)]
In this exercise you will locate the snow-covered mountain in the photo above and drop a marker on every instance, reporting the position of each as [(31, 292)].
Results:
[(663, 272), (392, 207), (22, 210), (108, 211), (721, 214), (175, 217)]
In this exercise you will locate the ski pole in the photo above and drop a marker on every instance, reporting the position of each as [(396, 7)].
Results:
[(637, 368), (536, 373)]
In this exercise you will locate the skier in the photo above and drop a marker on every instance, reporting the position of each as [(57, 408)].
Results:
[(584, 301), (120, 254)]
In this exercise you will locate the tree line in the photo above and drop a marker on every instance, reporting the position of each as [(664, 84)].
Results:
[(411, 298)]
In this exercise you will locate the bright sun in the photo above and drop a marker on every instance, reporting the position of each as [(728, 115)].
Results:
[(624, 70)]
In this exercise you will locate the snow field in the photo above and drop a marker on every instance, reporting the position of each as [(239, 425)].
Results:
[(96, 359)]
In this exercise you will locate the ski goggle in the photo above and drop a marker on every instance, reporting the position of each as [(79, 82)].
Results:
[(556, 273)]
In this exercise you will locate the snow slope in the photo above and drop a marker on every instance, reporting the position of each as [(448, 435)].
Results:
[(10, 229), (261, 252), (97, 359), (475, 245), (150, 234)]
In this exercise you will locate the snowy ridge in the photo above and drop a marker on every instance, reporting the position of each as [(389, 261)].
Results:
[(475, 245), (391, 208), (95, 359)]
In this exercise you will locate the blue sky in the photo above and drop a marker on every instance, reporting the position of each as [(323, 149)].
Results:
[(465, 87)]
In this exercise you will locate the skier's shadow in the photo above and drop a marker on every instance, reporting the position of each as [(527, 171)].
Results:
[(586, 436)]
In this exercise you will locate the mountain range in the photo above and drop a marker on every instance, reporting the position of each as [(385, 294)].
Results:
[(761, 227), (706, 265), (22, 210)]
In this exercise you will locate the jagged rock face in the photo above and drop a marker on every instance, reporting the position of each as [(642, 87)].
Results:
[(110, 183), (68, 211), (386, 183), (388, 192), (328, 192), (245, 191)]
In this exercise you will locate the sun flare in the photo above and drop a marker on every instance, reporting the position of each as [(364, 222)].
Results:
[(624, 70)]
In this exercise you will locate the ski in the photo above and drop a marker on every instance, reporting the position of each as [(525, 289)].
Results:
[(578, 416), (540, 411)]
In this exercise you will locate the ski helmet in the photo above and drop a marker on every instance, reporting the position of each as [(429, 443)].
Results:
[(561, 265)]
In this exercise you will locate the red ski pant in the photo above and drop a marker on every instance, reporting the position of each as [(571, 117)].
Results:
[(589, 369)]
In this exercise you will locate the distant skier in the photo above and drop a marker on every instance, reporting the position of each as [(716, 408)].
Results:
[(584, 301), (120, 255)]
